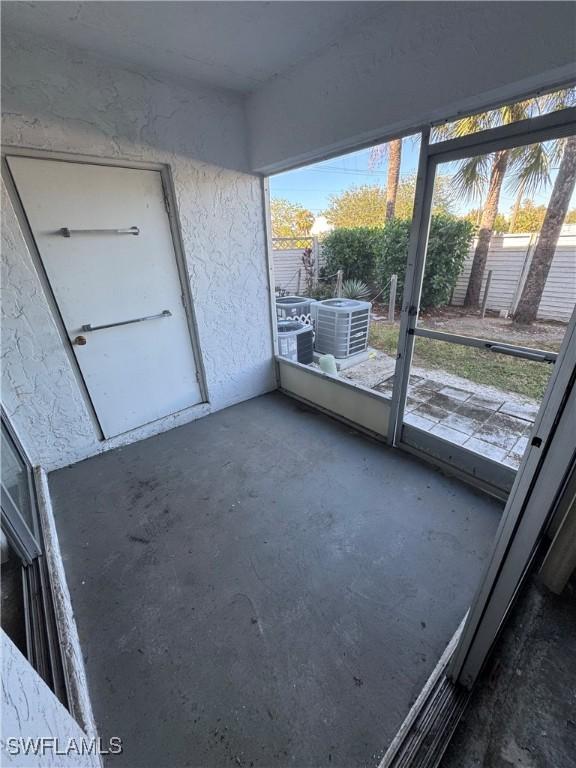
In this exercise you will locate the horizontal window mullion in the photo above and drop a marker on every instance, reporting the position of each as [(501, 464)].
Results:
[(523, 132)]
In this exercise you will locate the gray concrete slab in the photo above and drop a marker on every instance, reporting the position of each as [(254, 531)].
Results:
[(264, 587), (522, 711)]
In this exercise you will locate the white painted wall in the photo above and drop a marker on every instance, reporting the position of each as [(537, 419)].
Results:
[(344, 399), (31, 711), (414, 63), (63, 100)]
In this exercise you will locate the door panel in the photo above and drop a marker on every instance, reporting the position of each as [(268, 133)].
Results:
[(478, 372), (138, 372)]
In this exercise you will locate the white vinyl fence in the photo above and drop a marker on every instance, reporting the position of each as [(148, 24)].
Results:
[(509, 260), (287, 253)]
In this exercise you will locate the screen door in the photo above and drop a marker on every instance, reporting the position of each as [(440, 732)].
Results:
[(474, 373)]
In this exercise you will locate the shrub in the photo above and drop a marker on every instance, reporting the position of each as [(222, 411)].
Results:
[(373, 255), (448, 244), (322, 291), (353, 251), (355, 289)]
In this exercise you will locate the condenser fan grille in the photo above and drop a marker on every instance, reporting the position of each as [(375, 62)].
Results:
[(341, 326)]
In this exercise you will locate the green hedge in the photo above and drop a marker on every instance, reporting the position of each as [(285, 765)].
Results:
[(354, 251), (373, 255)]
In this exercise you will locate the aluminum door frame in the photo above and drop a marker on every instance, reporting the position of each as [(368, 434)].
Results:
[(26, 541), (42, 640), (550, 455), (493, 476), (541, 479)]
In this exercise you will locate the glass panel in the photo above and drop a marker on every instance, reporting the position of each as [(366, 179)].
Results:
[(504, 268), (509, 113), (484, 401), (12, 596), (352, 215), (15, 479)]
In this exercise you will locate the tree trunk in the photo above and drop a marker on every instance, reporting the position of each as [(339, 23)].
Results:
[(516, 208), (394, 159), (545, 249), (489, 213)]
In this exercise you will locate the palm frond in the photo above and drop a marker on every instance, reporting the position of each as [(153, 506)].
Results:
[(377, 156), (442, 132), (470, 180), (556, 151), (521, 110), (530, 169), (552, 102)]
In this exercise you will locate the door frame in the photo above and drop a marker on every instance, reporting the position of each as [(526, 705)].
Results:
[(550, 456), (172, 212), (43, 648), (492, 475), (546, 468), (26, 541)]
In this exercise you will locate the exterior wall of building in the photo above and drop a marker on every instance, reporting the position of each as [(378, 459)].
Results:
[(62, 100), (30, 711)]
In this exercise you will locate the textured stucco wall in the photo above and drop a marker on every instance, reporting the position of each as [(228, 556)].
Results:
[(63, 100), (31, 711)]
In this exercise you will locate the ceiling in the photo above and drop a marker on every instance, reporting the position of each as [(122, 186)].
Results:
[(234, 45)]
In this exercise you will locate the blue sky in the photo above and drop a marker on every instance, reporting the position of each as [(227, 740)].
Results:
[(312, 185)]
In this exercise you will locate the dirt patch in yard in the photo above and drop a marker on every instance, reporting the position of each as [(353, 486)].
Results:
[(513, 375)]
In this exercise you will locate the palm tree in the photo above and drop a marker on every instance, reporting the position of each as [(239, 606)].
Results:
[(516, 208), (394, 160), (484, 175), (392, 150), (549, 233)]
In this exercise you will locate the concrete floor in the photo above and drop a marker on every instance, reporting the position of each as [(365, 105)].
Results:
[(264, 587), (523, 712)]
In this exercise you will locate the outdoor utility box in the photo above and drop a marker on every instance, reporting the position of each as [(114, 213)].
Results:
[(341, 326), (296, 341), (294, 308)]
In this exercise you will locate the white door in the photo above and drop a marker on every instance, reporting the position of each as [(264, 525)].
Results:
[(83, 218)]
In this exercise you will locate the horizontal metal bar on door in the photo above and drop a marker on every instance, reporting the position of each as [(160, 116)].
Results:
[(555, 125), (89, 327), (538, 355), (65, 232)]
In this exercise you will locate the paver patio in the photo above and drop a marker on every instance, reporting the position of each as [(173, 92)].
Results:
[(497, 428), (486, 420)]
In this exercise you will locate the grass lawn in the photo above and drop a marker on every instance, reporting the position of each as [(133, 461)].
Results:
[(510, 374)]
